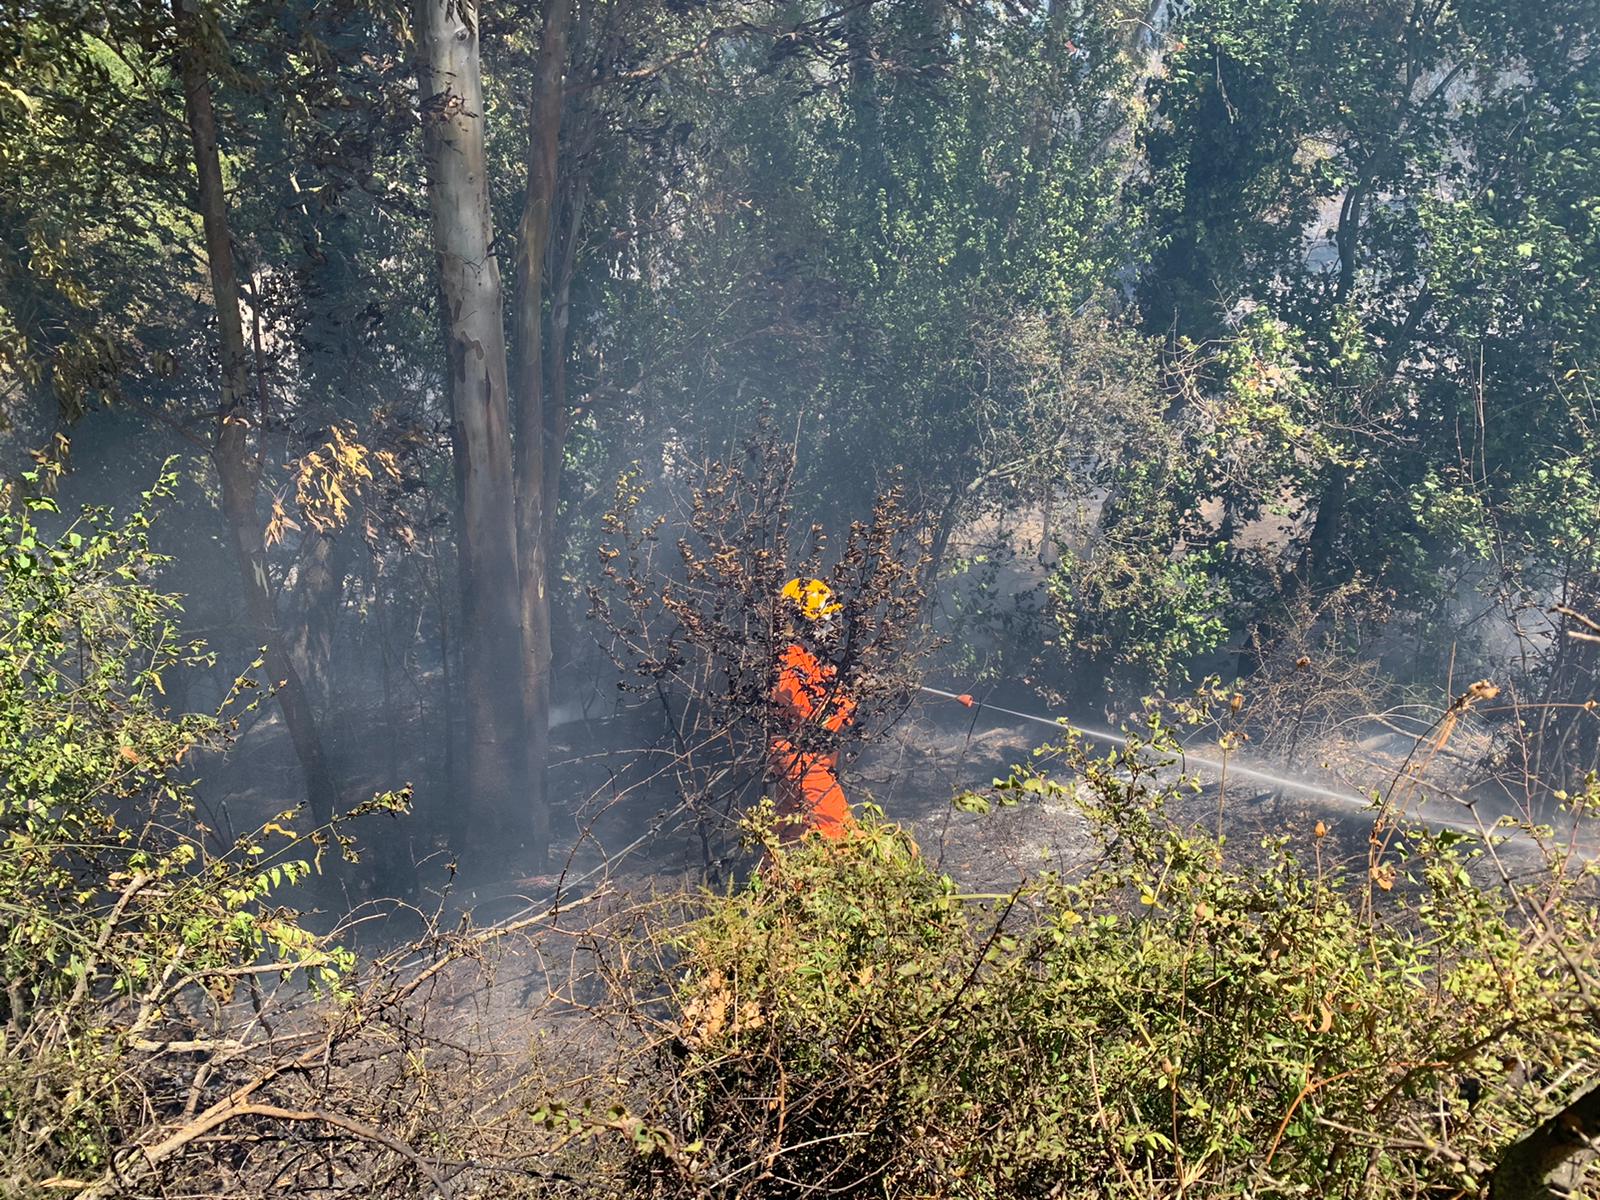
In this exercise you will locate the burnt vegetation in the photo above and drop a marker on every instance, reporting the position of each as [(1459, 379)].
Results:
[(697, 626)]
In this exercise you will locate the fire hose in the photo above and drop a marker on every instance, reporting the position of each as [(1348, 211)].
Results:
[(1284, 783)]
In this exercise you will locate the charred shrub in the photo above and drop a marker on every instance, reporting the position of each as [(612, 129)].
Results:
[(695, 622)]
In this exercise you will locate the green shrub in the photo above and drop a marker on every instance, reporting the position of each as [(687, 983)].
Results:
[(1137, 612), (1185, 1017), (125, 925)]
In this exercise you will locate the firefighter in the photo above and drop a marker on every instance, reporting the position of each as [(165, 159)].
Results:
[(809, 707)]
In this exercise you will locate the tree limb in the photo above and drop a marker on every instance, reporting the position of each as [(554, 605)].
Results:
[(1566, 1143)]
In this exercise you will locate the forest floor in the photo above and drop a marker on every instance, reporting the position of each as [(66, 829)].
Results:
[(629, 848), (621, 826), (939, 751), (536, 996)]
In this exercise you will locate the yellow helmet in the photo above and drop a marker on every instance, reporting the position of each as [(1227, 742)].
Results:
[(812, 597)]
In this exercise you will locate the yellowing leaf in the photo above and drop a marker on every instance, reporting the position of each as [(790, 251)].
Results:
[(29, 104)]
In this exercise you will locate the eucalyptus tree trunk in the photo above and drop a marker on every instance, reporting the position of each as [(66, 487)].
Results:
[(536, 427), (579, 131), (558, 406), (238, 470), (312, 605), (496, 755)]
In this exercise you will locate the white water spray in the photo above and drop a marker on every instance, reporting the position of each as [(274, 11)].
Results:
[(1285, 783)]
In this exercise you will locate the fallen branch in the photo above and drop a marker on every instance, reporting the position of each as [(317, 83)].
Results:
[(214, 1118), (1565, 1144), (113, 919), (1588, 623)]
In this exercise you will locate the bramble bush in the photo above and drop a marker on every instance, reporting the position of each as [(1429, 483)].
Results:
[(1186, 1016)]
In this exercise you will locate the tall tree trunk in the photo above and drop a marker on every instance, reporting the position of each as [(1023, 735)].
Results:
[(313, 605), (534, 426), (1347, 238), (238, 471), (558, 405), (1313, 574), (1316, 565), (495, 759), (1041, 129), (865, 148), (557, 409)]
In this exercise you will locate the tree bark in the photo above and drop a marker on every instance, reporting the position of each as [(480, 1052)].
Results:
[(1048, 552), (1547, 1163), (861, 93), (535, 428), (558, 406), (238, 471), (312, 606), (1347, 239), (494, 781), (1316, 567), (558, 411)]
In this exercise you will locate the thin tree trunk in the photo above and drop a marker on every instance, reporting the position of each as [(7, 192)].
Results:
[(1347, 238), (566, 233), (445, 722), (1040, 129), (1316, 567), (494, 779), (558, 412), (1048, 555), (237, 470), (939, 543), (557, 405), (865, 147), (312, 605), (533, 422), (1313, 573)]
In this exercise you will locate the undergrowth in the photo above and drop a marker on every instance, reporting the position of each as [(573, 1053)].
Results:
[(1181, 1019), (1184, 1016)]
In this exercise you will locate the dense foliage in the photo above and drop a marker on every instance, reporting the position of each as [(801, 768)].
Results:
[(128, 924), (1216, 311), (1180, 1017)]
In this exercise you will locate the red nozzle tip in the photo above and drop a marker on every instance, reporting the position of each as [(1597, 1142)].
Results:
[(966, 698)]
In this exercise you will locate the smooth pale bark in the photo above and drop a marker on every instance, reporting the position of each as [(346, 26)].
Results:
[(537, 432), (495, 800), (238, 470)]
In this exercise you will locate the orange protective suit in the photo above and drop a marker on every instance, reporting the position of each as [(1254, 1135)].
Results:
[(809, 795)]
